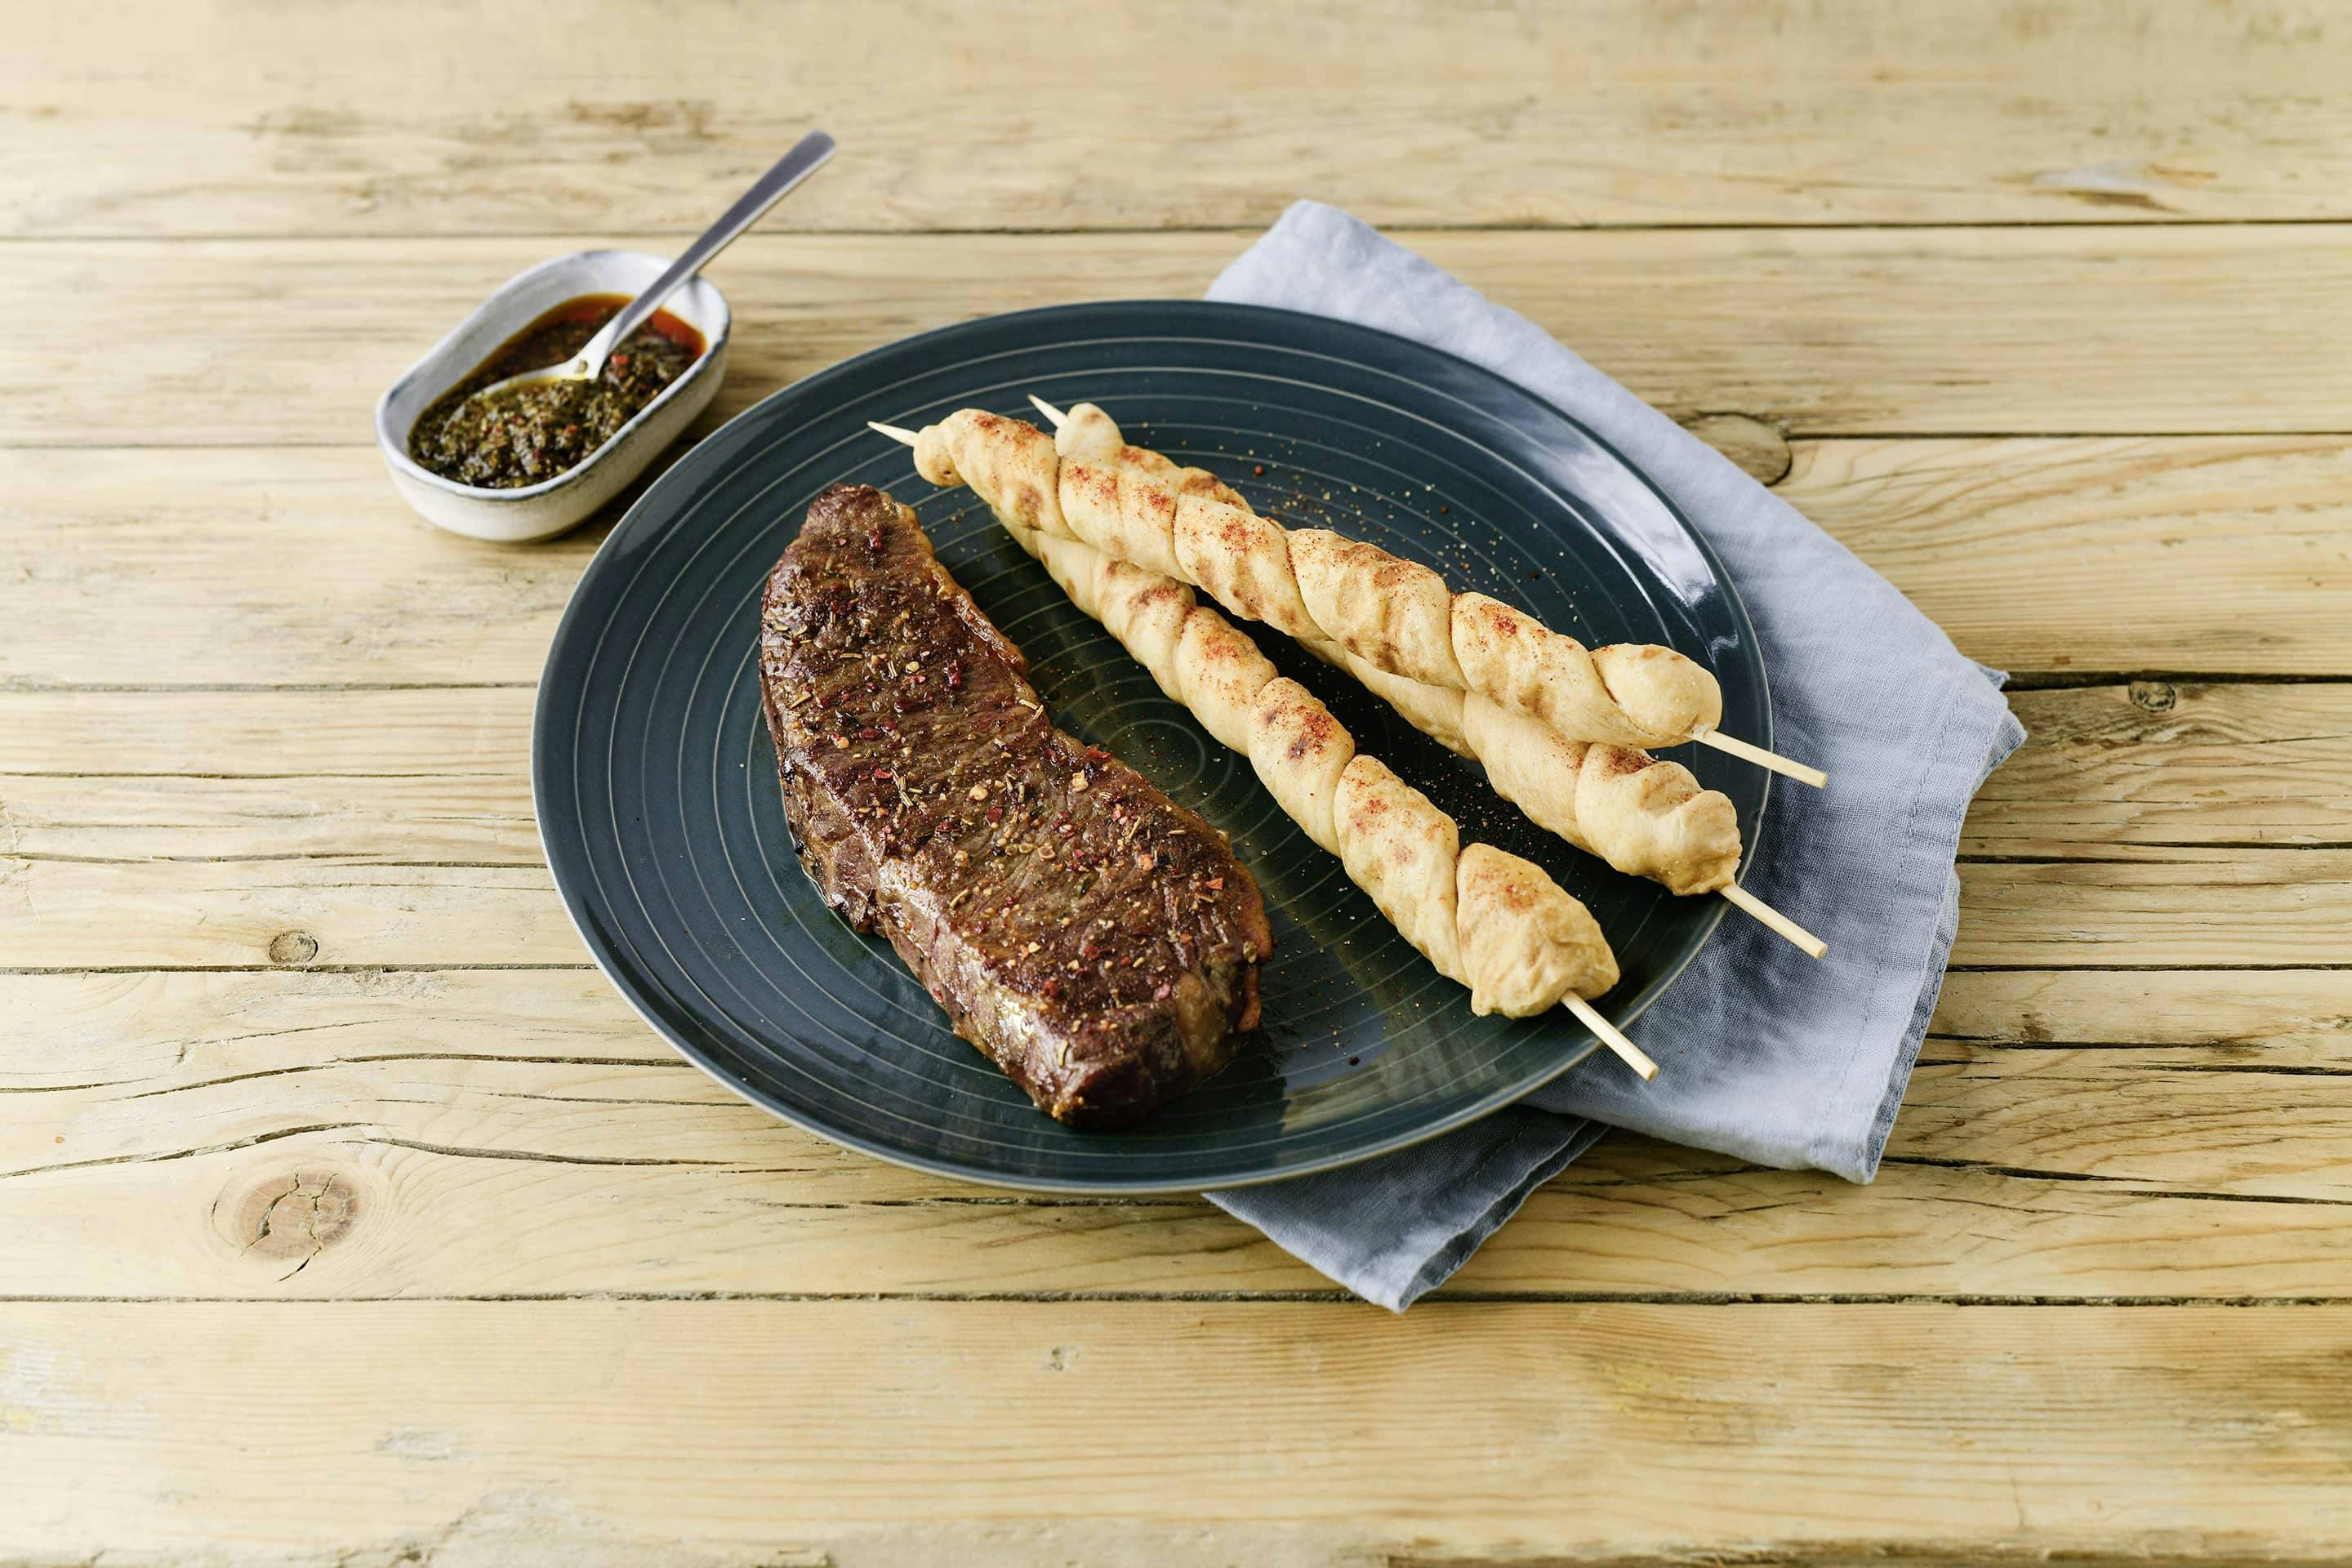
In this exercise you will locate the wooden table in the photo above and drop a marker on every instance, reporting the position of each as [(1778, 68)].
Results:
[(346, 1215)]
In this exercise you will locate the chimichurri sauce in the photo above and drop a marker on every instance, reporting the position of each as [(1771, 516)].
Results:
[(535, 433)]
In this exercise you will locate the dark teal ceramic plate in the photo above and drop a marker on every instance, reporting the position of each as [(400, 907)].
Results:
[(656, 789)]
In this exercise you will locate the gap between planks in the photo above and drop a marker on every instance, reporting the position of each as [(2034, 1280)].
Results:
[(1241, 233), (1227, 1297)]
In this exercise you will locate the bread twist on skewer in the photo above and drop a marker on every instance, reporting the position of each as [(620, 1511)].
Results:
[(1645, 816), (1328, 591), (1491, 921)]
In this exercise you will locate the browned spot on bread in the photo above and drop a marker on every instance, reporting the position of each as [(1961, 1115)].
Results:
[(1200, 482), (1315, 730), (1616, 761)]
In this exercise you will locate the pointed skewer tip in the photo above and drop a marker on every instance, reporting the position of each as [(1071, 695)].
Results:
[(905, 438), (1049, 411)]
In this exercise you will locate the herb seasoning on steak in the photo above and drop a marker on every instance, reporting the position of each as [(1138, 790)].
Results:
[(1097, 941)]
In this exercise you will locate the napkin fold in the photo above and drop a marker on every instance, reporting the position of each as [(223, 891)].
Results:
[(1766, 1055)]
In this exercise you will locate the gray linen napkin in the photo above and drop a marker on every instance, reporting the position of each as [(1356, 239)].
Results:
[(1766, 1053)]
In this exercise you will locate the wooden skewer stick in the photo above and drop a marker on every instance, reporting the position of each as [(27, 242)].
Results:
[(1049, 411), (1775, 921), (1742, 898), (1761, 757), (904, 437), (1627, 1051)]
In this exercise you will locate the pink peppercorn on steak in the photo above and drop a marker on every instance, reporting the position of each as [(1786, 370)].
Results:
[(1095, 939)]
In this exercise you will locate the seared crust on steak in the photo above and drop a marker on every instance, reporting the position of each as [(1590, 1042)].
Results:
[(1096, 941)]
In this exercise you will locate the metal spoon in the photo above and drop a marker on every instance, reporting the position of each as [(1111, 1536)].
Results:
[(805, 158)]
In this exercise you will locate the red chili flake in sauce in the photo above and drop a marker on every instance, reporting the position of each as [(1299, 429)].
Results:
[(996, 814)]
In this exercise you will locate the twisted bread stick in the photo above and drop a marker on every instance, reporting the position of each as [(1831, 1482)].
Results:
[(1645, 816), (1490, 920), (1324, 589), (1642, 816)]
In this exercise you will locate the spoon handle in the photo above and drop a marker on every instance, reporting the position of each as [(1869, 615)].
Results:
[(807, 156)]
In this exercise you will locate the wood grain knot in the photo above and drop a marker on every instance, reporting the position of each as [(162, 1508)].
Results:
[(1759, 448), (293, 947), (290, 1216), (2154, 696)]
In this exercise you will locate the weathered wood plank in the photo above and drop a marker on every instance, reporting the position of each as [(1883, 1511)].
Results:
[(146, 1030), (367, 123), (354, 1213), (285, 568), (444, 818), (2116, 554), (444, 775), (328, 854), (142, 914), (2171, 763), (2285, 1018), (734, 1433), (334, 1135), (289, 566), (2193, 909), (2210, 1122), (2198, 330)]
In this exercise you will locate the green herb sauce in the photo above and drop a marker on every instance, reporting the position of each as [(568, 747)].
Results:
[(535, 433)]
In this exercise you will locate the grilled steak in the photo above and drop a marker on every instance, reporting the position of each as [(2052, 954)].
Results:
[(1097, 941)]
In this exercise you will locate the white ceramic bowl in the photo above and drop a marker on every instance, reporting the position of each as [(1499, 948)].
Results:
[(546, 509)]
